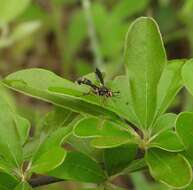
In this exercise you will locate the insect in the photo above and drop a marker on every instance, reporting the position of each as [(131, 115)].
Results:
[(100, 90)]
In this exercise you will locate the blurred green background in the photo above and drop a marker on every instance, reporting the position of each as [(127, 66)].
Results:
[(72, 37)]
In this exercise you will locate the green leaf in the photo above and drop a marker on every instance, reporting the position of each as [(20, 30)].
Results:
[(169, 168), (79, 167), (118, 104), (10, 145), (169, 85), (190, 187), (136, 165), (23, 127), (49, 160), (164, 122), (58, 117), (116, 159), (106, 134), (10, 9), (184, 128), (187, 75), (167, 140), (23, 186), (121, 104), (111, 142), (55, 139), (7, 181), (41, 87), (93, 127), (144, 71)]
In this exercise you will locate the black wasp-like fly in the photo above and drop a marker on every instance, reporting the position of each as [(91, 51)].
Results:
[(100, 90)]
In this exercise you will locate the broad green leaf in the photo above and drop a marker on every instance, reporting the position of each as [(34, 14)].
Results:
[(23, 30), (145, 59), (116, 159), (184, 128), (164, 122), (7, 181), (169, 168), (167, 140), (187, 75), (23, 186), (79, 167), (10, 9), (169, 85), (119, 104), (40, 87), (10, 145), (106, 134), (49, 160)]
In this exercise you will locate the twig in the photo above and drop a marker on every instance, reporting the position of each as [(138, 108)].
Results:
[(92, 33), (43, 180)]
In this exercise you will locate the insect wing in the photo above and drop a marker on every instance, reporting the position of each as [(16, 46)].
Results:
[(99, 76)]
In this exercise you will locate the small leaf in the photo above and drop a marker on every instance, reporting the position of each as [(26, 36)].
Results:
[(136, 165), (55, 139), (116, 159), (106, 134), (110, 142), (10, 145), (187, 75), (169, 168), (23, 186), (169, 85), (49, 160), (184, 128), (144, 71), (164, 122), (79, 167), (23, 126), (167, 140), (93, 127)]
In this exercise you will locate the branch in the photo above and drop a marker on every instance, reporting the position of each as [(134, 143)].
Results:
[(43, 180)]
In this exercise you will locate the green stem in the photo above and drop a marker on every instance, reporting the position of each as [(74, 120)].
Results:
[(92, 33)]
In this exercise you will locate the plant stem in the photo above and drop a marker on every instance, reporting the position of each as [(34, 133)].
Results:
[(92, 33)]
